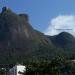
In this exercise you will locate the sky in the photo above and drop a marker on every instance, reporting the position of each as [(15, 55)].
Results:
[(48, 16)]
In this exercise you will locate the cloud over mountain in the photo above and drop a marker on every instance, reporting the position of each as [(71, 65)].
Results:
[(61, 23)]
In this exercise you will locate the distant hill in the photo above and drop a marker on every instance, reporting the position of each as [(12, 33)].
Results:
[(64, 41), (19, 41)]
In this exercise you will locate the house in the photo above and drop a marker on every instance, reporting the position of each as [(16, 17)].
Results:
[(17, 70)]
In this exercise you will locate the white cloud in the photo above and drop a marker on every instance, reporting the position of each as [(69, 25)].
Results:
[(61, 23)]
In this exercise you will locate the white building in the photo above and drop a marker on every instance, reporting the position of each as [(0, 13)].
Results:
[(17, 70)]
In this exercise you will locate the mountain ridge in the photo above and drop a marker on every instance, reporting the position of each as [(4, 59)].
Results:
[(19, 41)]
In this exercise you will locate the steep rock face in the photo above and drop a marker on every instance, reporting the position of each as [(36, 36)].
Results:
[(17, 34)]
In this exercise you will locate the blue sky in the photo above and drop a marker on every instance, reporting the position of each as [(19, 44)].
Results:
[(41, 12)]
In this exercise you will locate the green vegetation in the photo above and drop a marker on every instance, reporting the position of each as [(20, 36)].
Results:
[(57, 66)]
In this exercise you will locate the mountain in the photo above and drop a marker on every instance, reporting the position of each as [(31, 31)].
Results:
[(64, 41), (19, 41), (17, 37)]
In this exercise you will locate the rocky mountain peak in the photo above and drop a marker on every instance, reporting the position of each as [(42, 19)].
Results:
[(5, 9)]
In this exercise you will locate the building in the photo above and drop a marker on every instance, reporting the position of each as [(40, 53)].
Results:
[(17, 70)]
